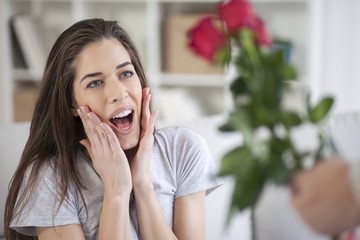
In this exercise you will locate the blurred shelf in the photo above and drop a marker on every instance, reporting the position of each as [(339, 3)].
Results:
[(144, 21), (218, 1), (192, 80), (27, 75), (115, 1), (39, 1), (279, 1), (161, 1), (185, 1)]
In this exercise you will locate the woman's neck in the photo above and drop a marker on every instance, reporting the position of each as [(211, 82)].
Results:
[(130, 153)]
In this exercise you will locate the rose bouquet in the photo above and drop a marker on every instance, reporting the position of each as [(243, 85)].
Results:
[(236, 37)]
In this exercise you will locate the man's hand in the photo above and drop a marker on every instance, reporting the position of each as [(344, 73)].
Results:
[(324, 197)]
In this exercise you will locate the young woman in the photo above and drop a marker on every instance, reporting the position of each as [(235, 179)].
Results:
[(93, 166)]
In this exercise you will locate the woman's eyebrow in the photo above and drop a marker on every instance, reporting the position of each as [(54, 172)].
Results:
[(91, 75), (99, 73), (123, 65)]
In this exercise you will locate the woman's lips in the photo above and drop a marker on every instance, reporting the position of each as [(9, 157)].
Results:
[(126, 125), (123, 119)]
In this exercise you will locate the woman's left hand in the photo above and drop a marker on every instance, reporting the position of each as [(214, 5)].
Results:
[(140, 164)]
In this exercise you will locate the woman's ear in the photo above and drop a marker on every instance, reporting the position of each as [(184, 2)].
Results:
[(74, 111)]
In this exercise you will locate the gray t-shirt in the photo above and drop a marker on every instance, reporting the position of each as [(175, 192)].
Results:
[(180, 164)]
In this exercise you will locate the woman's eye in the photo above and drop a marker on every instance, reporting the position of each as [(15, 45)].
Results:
[(94, 84), (126, 74)]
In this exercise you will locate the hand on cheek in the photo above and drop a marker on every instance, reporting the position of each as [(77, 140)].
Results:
[(140, 165), (89, 120), (108, 158), (147, 120), (145, 110)]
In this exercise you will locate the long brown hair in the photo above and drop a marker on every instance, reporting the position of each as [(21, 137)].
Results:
[(54, 131)]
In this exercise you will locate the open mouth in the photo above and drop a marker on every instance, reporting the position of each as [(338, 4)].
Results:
[(123, 120)]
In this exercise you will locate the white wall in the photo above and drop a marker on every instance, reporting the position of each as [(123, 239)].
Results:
[(341, 54), (5, 83)]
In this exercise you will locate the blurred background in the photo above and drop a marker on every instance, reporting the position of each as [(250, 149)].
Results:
[(323, 34)]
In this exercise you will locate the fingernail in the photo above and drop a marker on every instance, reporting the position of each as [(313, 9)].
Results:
[(79, 112), (150, 96), (148, 90), (83, 109), (101, 125), (89, 116)]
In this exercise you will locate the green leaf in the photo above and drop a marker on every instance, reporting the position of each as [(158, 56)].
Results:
[(238, 161), (308, 104), (318, 113), (245, 39), (240, 120), (226, 127), (238, 86), (276, 58), (290, 119), (247, 189), (264, 115), (288, 72), (276, 168)]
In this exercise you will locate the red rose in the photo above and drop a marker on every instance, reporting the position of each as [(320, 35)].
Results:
[(261, 36), (236, 14), (206, 39)]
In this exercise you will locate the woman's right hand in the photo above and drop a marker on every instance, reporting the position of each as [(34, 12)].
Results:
[(108, 158)]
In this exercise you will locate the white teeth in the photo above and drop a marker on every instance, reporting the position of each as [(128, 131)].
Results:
[(123, 114)]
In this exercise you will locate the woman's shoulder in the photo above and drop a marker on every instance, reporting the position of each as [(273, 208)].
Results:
[(178, 134), (49, 171), (40, 171), (46, 180)]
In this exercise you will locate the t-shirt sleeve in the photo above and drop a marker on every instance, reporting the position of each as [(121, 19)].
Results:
[(43, 203), (195, 170)]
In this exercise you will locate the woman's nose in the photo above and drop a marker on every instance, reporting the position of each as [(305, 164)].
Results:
[(115, 90)]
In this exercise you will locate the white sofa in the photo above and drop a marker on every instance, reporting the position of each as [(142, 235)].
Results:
[(12, 141), (275, 219)]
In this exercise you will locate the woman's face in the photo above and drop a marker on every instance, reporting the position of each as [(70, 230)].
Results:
[(106, 82)]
